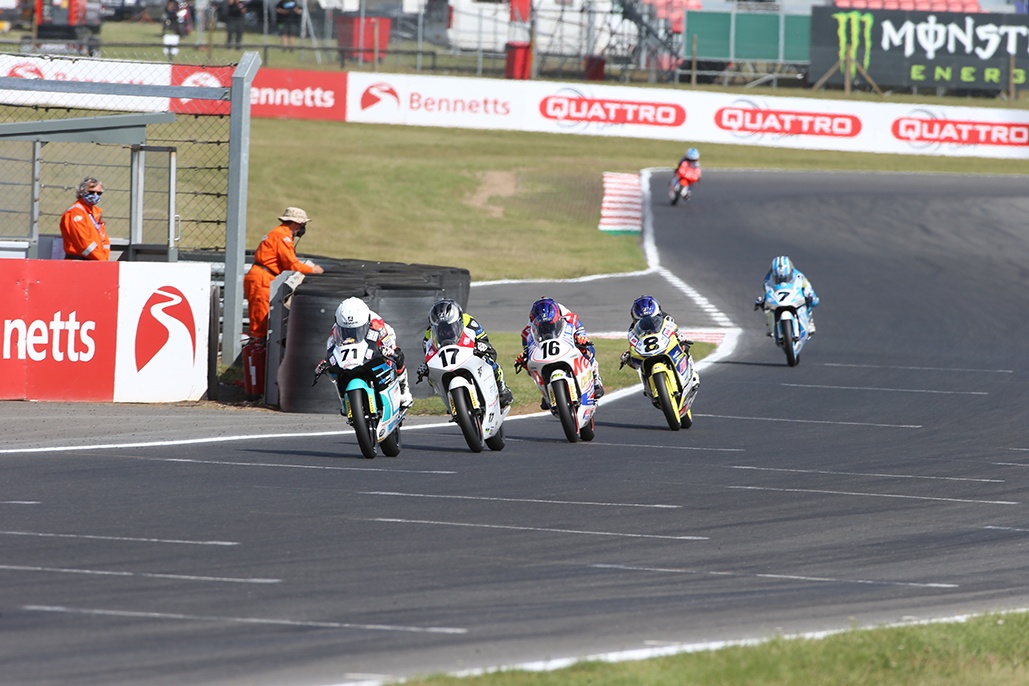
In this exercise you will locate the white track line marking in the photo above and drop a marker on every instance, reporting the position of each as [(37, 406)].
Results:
[(882, 390), (534, 528), (658, 447), (875, 474), (147, 575), (916, 369), (1007, 528), (780, 577), (875, 495), (246, 620), (116, 538), (292, 466), (20, 502), (811, 421), (513, 500)]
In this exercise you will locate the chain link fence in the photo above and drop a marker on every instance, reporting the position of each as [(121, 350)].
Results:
[(200, 140)]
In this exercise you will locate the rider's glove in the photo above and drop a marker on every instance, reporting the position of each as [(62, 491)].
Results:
[(519, 363), (759, 303), (581, 341), (809, 299), (684, 342), (423, 371), (321, 368), (625, 359)]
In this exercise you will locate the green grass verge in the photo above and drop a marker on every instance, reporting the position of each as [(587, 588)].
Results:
[(527, 398), (985, 651)]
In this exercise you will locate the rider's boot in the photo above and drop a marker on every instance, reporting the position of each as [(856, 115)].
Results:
[(811, 323), (406, 399), (598, 385)]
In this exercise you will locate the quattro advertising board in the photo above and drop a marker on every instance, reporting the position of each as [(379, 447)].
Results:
[(102, 332), (902, 49), (687, 116)]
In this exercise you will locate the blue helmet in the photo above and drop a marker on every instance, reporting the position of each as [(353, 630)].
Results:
[(693, 155), (545, 318), (782, 269), (644, 306)]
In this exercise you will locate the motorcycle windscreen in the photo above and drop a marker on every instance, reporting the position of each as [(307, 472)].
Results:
[(649, 325), (345, 335), (545, 331), (447, 333)]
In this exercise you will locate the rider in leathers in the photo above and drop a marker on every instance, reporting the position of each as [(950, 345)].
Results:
[(783, 271)]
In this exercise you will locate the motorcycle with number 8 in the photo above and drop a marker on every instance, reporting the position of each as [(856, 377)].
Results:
[(666, 370)]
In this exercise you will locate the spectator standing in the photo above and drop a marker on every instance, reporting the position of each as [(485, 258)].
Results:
[(287, 15), (235, 19), (82, 224), (275, 254)]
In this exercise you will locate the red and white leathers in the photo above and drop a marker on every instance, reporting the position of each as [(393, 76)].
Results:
[(688, 172), (382, 336), (582, 342)]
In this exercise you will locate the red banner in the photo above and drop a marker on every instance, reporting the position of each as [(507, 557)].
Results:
[(294, 94), (58, 337)]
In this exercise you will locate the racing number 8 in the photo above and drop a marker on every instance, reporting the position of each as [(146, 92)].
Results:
[(650, 344)]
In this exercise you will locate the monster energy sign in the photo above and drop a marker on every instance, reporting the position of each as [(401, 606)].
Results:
[(920, 49)]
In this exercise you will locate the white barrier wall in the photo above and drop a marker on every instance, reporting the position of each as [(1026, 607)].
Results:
[(685, 115)]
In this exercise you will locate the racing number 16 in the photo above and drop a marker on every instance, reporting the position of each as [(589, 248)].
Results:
[(550, 348)]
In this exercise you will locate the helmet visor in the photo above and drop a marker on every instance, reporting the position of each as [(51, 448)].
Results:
[(446, 333), (344, 335), (544, 331)]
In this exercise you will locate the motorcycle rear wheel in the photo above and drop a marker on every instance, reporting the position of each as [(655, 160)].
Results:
[(362, 427), (391, 444), (664, 397), (470, 427), (565, 411)]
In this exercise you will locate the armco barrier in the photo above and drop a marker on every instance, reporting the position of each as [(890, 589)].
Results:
[(401, 294)]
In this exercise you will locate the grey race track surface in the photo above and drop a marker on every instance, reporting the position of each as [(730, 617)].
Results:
[(885, 477)]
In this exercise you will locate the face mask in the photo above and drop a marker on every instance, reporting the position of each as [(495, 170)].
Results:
[(91, 198), (301, 231)]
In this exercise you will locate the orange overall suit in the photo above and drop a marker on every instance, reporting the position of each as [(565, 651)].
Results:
[(274, 255), (84, 233)]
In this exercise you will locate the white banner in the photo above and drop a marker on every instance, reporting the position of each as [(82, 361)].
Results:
[(687, 116), (163, 313), (100, 71)]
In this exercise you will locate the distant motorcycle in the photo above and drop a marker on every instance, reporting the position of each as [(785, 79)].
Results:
[(369, 393), (786, 313), (564, 377), (467, 386), (677, 190), (665, 369)]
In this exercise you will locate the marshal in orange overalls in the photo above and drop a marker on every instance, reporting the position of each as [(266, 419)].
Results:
[(275, 254)]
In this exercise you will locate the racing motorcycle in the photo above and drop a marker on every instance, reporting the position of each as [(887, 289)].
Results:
[(466, 385), (369, 393), (666, 370), (786, 315), (677, 190), (564, 377)]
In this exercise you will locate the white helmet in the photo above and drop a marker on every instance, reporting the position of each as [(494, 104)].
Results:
[(353, 318)]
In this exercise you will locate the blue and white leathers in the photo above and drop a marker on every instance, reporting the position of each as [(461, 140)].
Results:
[(788, 313)]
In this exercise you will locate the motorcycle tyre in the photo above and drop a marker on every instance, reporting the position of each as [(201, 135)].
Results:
[(687, 419), (359, 412), (787, 342), (588, 432), (496, 441), (664, 398), (391, 444), (471, 428), (565, 412)]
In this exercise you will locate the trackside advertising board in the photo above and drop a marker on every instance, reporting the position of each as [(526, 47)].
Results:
[(683, 115), (105, 331), (920, 49)]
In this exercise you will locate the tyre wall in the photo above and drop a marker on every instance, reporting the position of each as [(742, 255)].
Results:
[(402, 294)]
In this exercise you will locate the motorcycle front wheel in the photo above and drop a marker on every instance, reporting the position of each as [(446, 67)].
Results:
[(787, 342), (565, 411), (664, 398), (496, 441), (470, 427), (362, 427)]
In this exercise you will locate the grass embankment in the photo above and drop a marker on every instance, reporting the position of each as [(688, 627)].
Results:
[(985, 651)]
